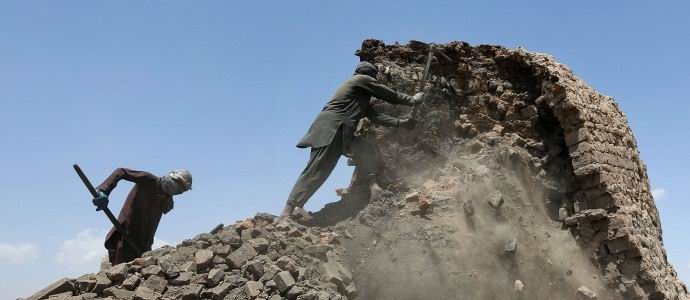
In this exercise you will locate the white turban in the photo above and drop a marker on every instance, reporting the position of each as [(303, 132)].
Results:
[(177, 182)]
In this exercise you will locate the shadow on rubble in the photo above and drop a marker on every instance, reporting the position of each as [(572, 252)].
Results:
[(347, 208)]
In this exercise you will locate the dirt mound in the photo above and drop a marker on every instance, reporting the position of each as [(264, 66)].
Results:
[(537, 186)]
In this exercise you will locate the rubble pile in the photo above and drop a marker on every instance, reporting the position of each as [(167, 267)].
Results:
[(518, 182), (549, 144), (257, 258)]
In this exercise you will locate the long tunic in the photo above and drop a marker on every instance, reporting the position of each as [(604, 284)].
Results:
[(349, 104), (140, 214)]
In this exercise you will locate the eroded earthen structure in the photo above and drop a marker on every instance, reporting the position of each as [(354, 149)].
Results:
[(580, 142)]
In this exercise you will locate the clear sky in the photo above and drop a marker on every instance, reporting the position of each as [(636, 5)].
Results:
[(226, 89)]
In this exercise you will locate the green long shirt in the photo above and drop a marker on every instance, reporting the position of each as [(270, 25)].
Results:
[(349, 104)]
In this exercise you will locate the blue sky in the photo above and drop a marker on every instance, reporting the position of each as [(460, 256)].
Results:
[(226, 89)]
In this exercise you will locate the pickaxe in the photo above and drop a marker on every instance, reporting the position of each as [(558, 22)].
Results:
[(432, 49), (123, 232)]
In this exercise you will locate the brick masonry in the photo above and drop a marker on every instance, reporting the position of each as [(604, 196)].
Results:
[(512, 91)]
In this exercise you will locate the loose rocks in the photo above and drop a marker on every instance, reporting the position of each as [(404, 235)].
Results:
[(268, 263)]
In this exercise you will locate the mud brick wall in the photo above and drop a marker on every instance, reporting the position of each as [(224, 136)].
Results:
[(581, 143), (611, 176)]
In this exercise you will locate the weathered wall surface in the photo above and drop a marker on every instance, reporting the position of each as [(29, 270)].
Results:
[(582, 148)]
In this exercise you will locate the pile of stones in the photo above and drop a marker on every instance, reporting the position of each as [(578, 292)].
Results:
[(579, 142), (258, 258)]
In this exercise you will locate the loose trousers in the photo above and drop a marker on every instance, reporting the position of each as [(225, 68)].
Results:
[(321, 163)]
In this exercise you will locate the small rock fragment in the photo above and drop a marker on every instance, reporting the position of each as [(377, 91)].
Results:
[(217, 293), (424, 204), (117, 273), (191, 292), (286, 263), (562, 214), (284, 281), (131, 282), (518, 285), (496, 201), (351, 291), (61, 286), (255, 267), (117, 293), (152, 270), (144, 293), (156, 283), (215, 276), (183, 279), (240, 256), (102, 282), (411, 197), (253, 288), (245, 224), (586, 294), (511, 246), (203, 259), (468, 207), (261, 245), (145, 261)]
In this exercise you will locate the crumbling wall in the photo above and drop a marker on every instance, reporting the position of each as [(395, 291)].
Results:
[(518, 182), (582, 150)]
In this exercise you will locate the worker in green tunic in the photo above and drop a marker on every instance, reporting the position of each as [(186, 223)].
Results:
[(332, 132)]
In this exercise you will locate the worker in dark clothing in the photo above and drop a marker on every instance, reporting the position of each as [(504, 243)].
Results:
[(332, 132), (149, 199)]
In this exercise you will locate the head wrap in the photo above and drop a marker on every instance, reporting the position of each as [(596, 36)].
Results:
[(366, 68), (177, 182)]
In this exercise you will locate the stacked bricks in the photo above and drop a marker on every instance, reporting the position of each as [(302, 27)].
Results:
[(510, 91)]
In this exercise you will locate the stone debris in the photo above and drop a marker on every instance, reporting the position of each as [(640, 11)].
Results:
[(284, 281), (61, 286), (424, 203), (588, 215), (586, 294), (118, 293), (562, 214), (253, 288), (144, 293), (153, 270), (411, 197), (269, 264), (495, 201), (240, 256), (511, 246), (203, 258), (468, 207), (518, 285), (117, 273), (131, 282)]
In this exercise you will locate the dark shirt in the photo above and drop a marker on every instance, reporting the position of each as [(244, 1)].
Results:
[(140, 214), (349, 104)]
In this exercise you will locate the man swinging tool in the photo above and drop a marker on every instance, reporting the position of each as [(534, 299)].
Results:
[(149, 199), (332, 133)]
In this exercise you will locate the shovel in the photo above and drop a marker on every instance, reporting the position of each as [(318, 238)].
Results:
[(123, 232)]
